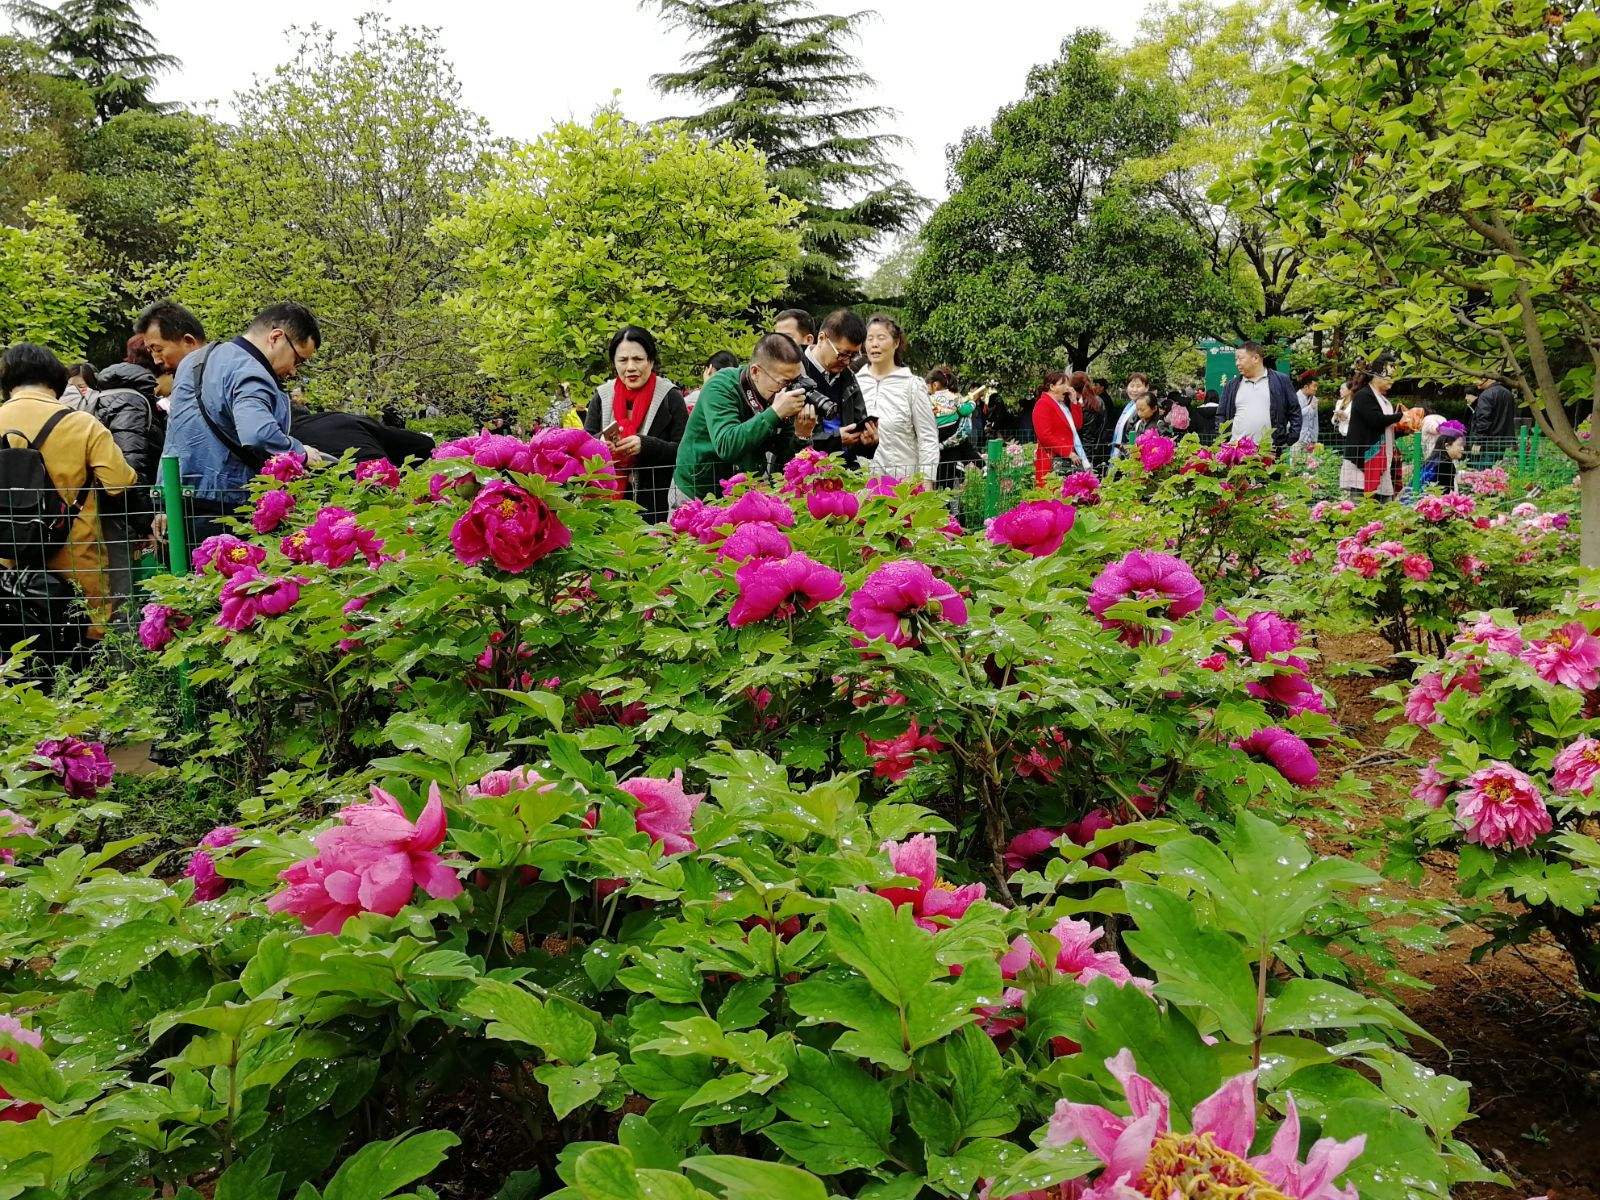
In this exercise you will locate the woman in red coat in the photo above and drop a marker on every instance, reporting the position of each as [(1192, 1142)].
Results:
[(1055, 430)]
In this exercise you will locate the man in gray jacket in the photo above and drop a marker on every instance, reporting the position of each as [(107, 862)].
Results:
[(1494, 420)]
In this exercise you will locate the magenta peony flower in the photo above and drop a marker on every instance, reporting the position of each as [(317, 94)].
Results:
[(379, 471), (1145, 1156), (733, 482), (1488, 633), (1024, 849), (503, 783), (271, 509), (666, 812), (801, 472), (1037, 527), (1429, 691), (698, 519), (1155, 451), (1232, 454), (508, 526), (13, 825), (1290, 690), (827, 497), (285, 467), (1432, 788), (1500, 807), (563, 454), (780, 587), (1575, 767), (934, 902), (208, 885), (1285, 751), (13, 1030), (757, 539), (1417, 566), (757, 506), (894, 757), (1266, 634), (1569, 656), (1081, 487), (897, 597), (227, 555), (1075, 955), (160, 626), (81, 767), (372, 861), (1145, 575), (334, 538), (247, 597)]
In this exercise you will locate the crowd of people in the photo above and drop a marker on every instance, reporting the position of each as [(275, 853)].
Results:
[(81, 447)]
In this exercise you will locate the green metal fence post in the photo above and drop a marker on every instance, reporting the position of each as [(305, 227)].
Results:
[(991, 481), (1522, 449), (178, 560), (1416, 462)]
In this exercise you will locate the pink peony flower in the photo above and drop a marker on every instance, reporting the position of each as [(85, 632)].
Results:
[(1473, 567), (1432, 788), (898, 597), (379, 471), (503, 783), (1024, 849), (757, 506), (1081, 487), (81, 767), (780, 587), (1575, 767), (271, 509), (1285, 751), (755, 540), (563, 454), (285, 467), (508, 526), (1417, 566), (827, 498), (247, 597), (1232, 454), (334, 538), (1145, 575), (1037, 527), (13, 825), (1569, 656), (1501, 806), (1290, 690), (1429, 691), (894, 757), (1266, 634), (934, 902), (160, 626), (1488, 633), (13, 1030), (208, 885), (372, 861), (227, 555), (666, 812), (802, 471), (1075, 955), (1155, 451), (733, 482), (697, 519)]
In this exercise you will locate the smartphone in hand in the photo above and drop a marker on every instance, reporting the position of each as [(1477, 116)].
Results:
[(609, 433)]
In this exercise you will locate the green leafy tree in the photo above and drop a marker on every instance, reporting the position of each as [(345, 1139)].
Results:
[(325, 193), (781, 76), (105, 43), (49, 293), (1219, 63), (595, 226), (43, 122), (1439, 169), (136, 170), (1037, 254)]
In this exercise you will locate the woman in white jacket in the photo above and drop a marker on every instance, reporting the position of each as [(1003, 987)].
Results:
[(908, 438)]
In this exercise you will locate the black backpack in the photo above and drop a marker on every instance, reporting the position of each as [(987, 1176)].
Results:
[(34, 519)]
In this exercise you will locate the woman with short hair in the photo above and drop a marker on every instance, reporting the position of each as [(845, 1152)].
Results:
[(641, 415)]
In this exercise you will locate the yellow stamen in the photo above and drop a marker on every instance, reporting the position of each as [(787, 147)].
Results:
[(1193, 1167)]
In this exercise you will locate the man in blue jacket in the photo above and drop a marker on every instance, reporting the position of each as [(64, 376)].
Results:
[(1259, 403), (230, 414)]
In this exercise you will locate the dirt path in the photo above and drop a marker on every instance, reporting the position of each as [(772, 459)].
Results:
[(1510, 1023)]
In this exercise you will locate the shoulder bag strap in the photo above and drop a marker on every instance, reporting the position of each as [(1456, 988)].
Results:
[(254, 459), (37, 442)]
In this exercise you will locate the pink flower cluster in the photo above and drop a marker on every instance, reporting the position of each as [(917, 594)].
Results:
[(372, 861), (333, 539), (1268, 639), (828, 498), (781, 587), (1569, 656), (1155, 450), (249, 595), (1442, 508), (82, 768), (1233, 454), (1285, 751), (1501, 806), (202, 868), (899, 600), (558, 454), (13, 1030), (934, 902), (1429, 692), (508, 526), (1322, 508), (1491, 481), (226, 555), (1069, 952), (802, 471), (379, 471), (894, 757), (160, 625), (1145, 575), (271, 509), (1037, 527), (286, 467), (1081, 487), (1367, 560)]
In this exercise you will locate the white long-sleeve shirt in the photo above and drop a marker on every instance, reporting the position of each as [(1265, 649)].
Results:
[(908, 436)]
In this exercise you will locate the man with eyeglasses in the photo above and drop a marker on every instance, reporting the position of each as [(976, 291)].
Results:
[(230, 413), (842, 412), (748, 421)]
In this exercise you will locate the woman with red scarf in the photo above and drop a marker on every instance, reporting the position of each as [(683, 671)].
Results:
[(1055, 427), (641, 415)]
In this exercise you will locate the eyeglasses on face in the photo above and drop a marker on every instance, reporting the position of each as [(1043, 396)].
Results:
[(288, 340)]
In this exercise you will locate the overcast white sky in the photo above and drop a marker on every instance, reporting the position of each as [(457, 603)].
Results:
[(944, 65)]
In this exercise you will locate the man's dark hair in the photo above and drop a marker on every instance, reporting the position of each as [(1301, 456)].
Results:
[(843, 323), (722, 360), (84, 371), (778, 349), (1254, 348), (639, 337), (294, 319), (26, 363), (806, 322), (172, 321)]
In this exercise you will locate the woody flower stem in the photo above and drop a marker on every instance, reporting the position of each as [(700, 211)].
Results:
[(1261, 1007)]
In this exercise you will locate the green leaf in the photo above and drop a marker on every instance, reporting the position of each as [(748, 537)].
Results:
[(560, 1028), (248, 1179), (572, 1087), (1399, 1158), (748, 1179), (874, 1022), (1204, 968), (840, 1115), (1044, 1169), (380, 1169), (981, 1092), (1164, 1044), (883, 943), (445, 743)]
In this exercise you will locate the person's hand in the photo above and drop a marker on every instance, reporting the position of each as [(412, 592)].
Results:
[(158, 529), (788, 404), (869, 434), (850, 435), (805, 423), (626, 448), (316, 458)]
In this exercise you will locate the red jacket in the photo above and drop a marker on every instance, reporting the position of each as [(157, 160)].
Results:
[(1055, 435)]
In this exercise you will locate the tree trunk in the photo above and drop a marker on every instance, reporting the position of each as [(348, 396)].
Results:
[(1589, 515)]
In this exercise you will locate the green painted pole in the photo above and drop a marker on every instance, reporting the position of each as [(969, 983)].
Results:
[(1416, 462), (178, 561), (991, 480)]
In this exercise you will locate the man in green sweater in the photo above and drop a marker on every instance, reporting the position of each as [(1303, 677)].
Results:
[(749, 419)]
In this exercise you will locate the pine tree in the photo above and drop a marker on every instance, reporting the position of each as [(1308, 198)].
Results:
[(104, 43), (781, 76)]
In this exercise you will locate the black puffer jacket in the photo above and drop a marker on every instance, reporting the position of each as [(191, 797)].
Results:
[(126, 405)]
